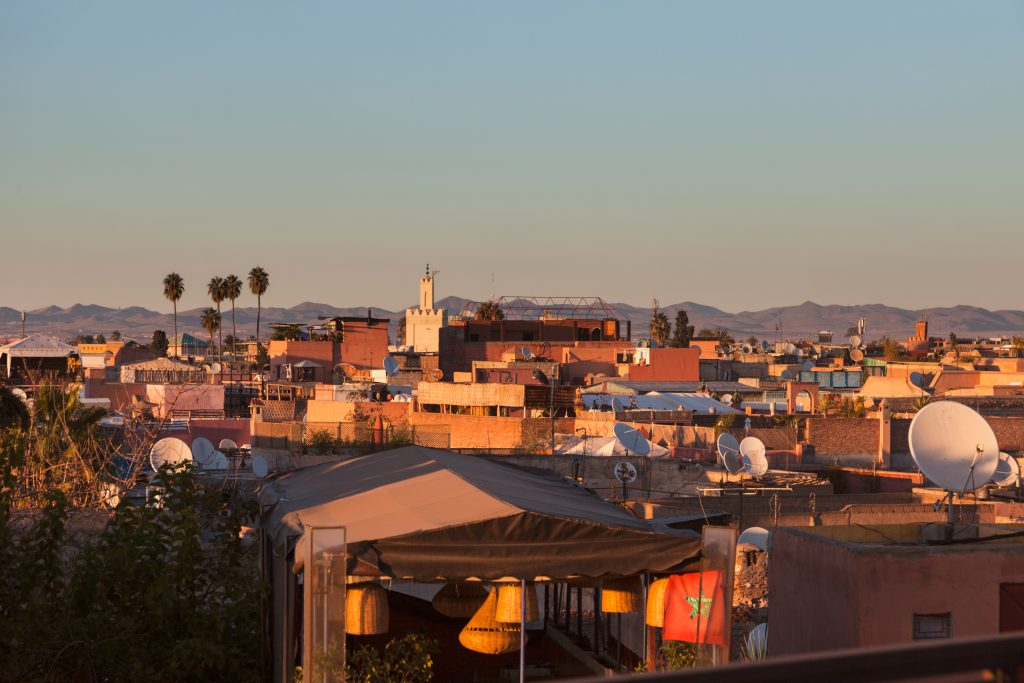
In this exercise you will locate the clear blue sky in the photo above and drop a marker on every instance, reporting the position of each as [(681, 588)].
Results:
[(739, 154)]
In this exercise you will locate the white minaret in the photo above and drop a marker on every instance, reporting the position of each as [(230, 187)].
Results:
[(427, 291)]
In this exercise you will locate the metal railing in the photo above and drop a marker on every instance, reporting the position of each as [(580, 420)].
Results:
[(991, 658)]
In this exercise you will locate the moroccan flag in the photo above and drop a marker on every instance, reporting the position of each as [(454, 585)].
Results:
[(695, 608)]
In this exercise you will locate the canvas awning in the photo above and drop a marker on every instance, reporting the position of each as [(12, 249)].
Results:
[(426, 514)]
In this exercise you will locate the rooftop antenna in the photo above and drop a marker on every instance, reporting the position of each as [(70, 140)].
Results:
[(954, 447)]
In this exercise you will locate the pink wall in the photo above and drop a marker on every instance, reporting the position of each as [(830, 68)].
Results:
[(824, 594), (236, 429), (668, 365)]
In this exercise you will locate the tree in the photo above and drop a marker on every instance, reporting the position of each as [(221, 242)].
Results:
[(210, 321), (13, 411), (174, 287), (852, 331), (100, 339), (259, 282), (233, 290), (489, 310), (400, 332), (659, 328), (719, 333), (215, 288), (116, 335), (159, 343), (683, 332)]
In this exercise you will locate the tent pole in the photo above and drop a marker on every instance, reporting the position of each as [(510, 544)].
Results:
[(522, 631)]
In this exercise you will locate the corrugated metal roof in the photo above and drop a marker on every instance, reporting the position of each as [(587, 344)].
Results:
[(626, 387), (38, 346)]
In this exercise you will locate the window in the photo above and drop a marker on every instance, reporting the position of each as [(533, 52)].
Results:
[(929, 626)]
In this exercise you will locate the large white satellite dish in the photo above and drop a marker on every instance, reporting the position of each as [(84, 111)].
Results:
[(1007, 471), (632, 439), (218, 461), (855, 340), (953, 446), (754, 461), (227, 445), (791, 349), (169, 451), (202, 450), (755, 536), (729, 452), (260, 466), (20, 393)]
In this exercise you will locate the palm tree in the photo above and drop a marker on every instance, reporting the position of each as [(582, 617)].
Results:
[(659, 328), (259, 282), (489, 310), (174, 287), (215, 288), (233, 290), (210, 321)]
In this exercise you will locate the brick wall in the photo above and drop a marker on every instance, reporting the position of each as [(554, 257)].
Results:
[(487, 432), (843, 436)]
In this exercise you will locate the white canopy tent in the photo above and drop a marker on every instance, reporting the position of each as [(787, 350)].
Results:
[(36, 345)]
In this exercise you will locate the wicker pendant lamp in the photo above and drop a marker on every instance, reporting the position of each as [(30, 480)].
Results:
[(366, 609), (622, 595), (486, 635), (459, 600), (656, 603), (510, 603)]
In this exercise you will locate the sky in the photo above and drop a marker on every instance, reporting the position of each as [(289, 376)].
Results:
[(737, 154)]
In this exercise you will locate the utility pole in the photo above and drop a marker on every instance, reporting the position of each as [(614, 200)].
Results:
[(551, 409), (23, 324)]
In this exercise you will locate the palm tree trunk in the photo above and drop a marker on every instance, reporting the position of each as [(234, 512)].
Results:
[(220, 338), (234, 333), (175, 340), (259, 309)]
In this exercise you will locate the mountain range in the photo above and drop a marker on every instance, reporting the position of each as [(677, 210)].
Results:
[(785, 322)]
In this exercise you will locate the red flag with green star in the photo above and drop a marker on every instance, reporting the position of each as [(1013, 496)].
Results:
[(695, 608)]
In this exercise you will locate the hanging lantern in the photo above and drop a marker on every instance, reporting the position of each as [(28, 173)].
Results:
[(486, 635), (366, 609), (459, 600), (622, 595), (510, 602), (656, 603)]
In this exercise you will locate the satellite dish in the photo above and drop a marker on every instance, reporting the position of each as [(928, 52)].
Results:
[(752, 451), (20, 393), (807, 366), (917, 379), (169, 451), (756, 536), (726, 348), (1007, 471), (617, 406), (727, 399), (786, 374), (855, 340), (390, 366), (259, 466), (218, 461), (790, 349), (632, 439), (765, 346), (953, 446), (527, 353), (216, 368), (729, 452), (856, 355), (227, 445), (625, 472), (436, 375), (207, 368), (747, 348), (202, 450), (757, 641)]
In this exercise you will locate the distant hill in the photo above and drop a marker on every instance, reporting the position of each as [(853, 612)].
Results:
[(803, 320)]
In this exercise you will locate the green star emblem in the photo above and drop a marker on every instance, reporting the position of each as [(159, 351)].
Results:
[(702, 605)]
